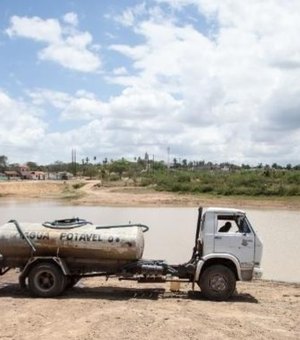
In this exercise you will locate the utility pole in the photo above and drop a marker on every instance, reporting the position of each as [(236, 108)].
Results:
[(74, 168), (168, 150), (153, 165)]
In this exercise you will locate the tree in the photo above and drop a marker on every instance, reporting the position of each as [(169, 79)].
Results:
[(3, 163), (32, 166), (119, 166), (175, 163), (91, 171)]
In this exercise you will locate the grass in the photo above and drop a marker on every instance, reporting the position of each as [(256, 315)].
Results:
[(71, 192), (248, 183)]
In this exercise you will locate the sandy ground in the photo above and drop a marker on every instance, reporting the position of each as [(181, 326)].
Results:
[(120, 195), (99, 309), (32, 189)]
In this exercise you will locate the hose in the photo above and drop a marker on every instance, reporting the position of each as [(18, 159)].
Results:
[(70, 223), (77, 222), (143, 226)]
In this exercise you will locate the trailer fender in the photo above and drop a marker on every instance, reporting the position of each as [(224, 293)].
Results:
[(215, 257), (33, 260)]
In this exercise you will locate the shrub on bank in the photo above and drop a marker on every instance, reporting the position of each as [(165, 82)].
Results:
[(243, 182)]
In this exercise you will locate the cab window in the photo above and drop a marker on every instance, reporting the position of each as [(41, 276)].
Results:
[(232, 224)]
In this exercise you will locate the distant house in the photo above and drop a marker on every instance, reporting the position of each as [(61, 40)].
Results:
[(12, 175), (24, 171), (52, 176), (59, 176), (3, 177), (37, 175)]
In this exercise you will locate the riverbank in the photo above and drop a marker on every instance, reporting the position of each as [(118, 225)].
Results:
[(258, 310), (121, 194)]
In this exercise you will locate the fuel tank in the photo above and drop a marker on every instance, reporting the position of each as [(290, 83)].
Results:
[(19, 241)]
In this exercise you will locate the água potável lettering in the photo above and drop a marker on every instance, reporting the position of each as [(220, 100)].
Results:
[(85, 237), (36, 235)]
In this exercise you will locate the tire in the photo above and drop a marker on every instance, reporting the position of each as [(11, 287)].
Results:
[(46, 280), (217, 283)]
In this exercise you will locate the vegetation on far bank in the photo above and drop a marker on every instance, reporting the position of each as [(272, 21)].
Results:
[(184, 177), (238, 182)]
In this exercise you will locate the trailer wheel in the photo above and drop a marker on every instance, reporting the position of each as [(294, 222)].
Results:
[(46, 280), (217, 283)]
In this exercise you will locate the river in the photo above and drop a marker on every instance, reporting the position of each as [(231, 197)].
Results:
[(172, 230)]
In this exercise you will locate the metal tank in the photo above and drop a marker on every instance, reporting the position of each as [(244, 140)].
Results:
[(79, 242)]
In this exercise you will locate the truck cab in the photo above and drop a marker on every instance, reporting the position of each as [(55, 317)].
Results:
[(226, 242)]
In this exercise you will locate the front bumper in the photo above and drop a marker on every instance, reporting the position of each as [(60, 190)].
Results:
[(257, 273)]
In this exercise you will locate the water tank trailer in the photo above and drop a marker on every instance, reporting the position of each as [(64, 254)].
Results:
[(53, 256)]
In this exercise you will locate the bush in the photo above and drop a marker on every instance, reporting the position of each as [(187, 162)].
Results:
[(244, 182), (78, 185)]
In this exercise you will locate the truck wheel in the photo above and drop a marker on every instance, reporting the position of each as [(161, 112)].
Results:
[(46, 280), (217, 283)]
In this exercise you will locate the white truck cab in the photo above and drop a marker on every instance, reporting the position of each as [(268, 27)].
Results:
[(226, 239)]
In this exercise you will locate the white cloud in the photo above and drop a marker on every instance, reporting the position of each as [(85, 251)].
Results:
[(35, 28), (66, 46), (120, 71), (82, 106), (21, 128), (71, 18), (226, 81), (229, 95), (130, 15)]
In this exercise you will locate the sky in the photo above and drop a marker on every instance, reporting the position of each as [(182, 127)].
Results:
[(214, 80)]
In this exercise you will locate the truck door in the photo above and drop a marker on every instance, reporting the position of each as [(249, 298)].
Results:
[(234, 236)]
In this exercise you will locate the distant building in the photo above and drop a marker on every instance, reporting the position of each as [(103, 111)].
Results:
[(24, 171), (60, 176), (3, 177), (37, 175), (12, 175)]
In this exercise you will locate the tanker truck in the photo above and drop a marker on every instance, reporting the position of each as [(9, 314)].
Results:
[(53, 256)]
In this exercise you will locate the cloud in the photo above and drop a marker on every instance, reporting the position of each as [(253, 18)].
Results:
[(239, 81), (65, 45), (132, 103), (82, 106), (224, 89), (22, 127), (130, 15), (71, 18), (128, 124)]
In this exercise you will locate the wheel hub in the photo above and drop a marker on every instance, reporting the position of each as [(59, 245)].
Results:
[(218, 283), (45, 280)]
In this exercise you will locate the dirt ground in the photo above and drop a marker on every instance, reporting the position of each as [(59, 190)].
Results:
[(99, 309)]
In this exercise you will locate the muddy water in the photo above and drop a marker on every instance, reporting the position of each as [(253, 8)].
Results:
[(171, 235)]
